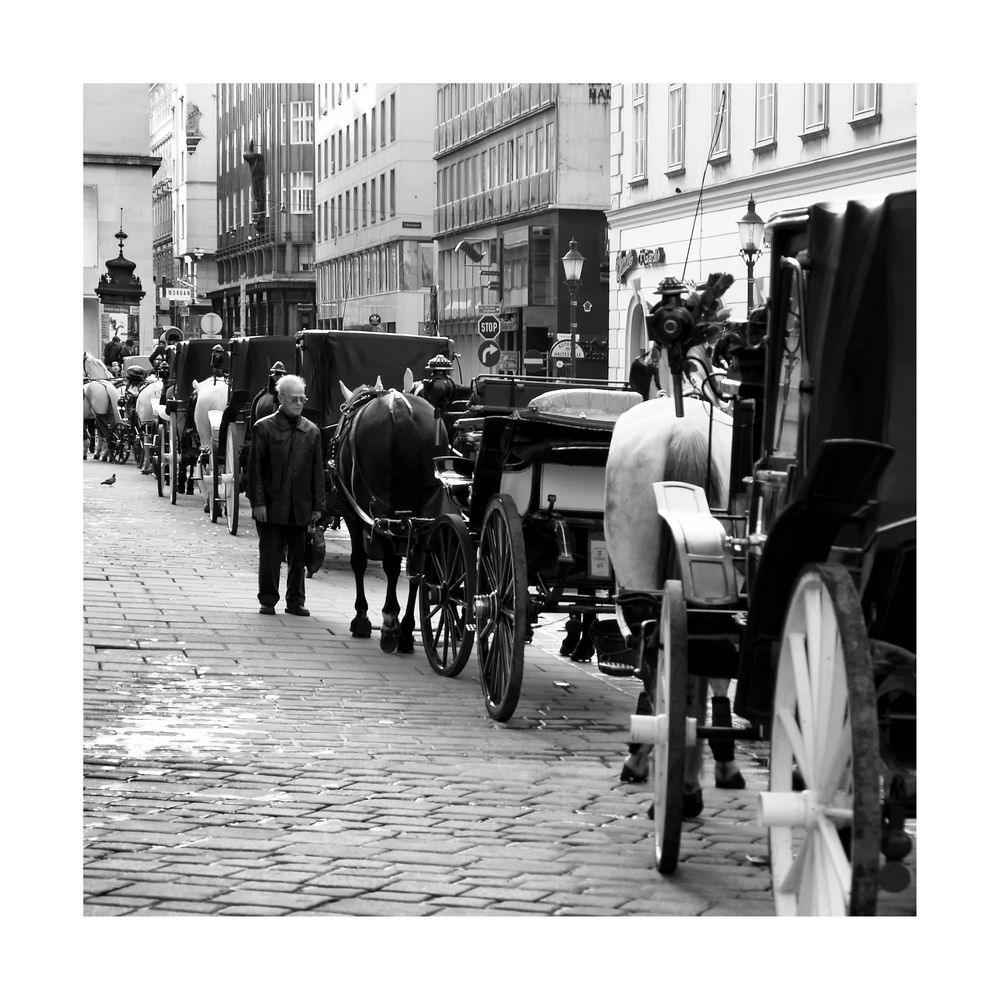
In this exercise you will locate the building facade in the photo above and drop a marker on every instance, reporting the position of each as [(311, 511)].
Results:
[(117, 181), (787, 145), (265, 192), (182, 133), (374, 204), (521, 170)]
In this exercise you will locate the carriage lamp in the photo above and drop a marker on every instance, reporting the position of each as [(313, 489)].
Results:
[(751, 228), (573, 268)]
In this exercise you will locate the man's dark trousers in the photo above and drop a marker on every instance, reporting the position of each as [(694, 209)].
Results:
[(273, 540)]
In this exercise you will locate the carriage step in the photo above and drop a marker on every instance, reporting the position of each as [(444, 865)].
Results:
[(615, 657), (617, 669)]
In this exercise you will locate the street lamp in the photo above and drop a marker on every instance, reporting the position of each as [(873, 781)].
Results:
[(751, 228), (572, 267)]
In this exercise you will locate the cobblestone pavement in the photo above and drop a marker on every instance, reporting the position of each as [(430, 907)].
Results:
[(242, 764)]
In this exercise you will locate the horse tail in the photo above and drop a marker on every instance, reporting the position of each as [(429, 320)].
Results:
[(687, 460)]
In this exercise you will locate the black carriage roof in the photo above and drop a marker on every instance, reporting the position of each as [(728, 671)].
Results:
[(359, 357), (251, 358), (860, 327), (192, 360)]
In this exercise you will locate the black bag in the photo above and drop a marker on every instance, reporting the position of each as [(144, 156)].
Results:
[(315, 549)]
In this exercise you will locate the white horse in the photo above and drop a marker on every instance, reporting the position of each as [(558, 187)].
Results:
[(100, 406), (650, 443), (210, 395), (146, 415)]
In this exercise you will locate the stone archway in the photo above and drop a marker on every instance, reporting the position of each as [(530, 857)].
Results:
[(636, 339)]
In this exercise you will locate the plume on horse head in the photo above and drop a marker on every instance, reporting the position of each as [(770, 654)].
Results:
[(94, 367)]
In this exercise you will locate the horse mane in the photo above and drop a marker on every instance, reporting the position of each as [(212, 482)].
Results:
[(687, 460)]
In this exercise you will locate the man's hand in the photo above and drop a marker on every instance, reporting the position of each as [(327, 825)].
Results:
[(260, 514), (316, 517)]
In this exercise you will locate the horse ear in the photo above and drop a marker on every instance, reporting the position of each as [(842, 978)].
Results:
[(407, 380), (378, 384), (347, 392)]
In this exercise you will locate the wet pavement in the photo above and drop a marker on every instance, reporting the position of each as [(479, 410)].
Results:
[(236, 763)]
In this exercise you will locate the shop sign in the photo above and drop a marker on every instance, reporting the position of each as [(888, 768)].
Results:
[(600, 93), (628, 260)]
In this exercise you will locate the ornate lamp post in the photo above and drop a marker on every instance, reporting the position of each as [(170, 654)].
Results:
[(572, 268), (751, 228)]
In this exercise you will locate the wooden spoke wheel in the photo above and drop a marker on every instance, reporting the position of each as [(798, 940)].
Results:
[(215, 500), (161, 459), (501, 607), (669, 707), (234, 444), (447, 592), (175, 445), (825, 838), (137, 449)]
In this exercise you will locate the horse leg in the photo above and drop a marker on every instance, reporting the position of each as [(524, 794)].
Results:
[(584, 649), (727, 772), (573, 629), (405, 644), (361, 627), (392, 564)]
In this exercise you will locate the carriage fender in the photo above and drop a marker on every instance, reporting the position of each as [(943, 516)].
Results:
[(708, 574)]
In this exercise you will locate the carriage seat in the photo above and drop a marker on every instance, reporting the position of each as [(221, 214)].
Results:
[(588, 406)]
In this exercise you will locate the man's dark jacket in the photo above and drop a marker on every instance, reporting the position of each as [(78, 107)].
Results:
[(286, 469)]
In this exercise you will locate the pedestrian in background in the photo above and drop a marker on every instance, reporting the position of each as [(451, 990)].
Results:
[(159, 352), (287, 494), (111, 350)]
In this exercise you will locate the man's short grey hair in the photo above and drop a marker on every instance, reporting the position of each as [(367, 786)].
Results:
[(290, 385)]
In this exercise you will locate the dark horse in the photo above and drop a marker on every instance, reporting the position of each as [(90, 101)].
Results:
[(383, 450)]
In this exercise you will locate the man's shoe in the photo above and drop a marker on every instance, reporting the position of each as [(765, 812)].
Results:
[(304, 612), (265, 610)]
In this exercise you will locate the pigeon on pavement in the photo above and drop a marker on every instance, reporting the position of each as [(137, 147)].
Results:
[(109, 482)]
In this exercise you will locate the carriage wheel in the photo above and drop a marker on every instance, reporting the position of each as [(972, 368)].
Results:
[(501, 607), (825, 839), (670, 713), (160, 458), (216, 499), (234, 444), (447, 592), (174, 448)]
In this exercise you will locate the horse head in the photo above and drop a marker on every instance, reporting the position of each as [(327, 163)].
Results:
[(94, 368)]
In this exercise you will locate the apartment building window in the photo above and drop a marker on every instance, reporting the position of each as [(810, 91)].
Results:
[(347, 216), (348, 145), (356, 141), (364, 203), (374, 147), (867, 104), (372, 192), (392, 192), (815, 107), (340, 149), (675, 128), (721, 99), (765, 133), (340, 216), (543, 151), (381, 196), (392, 118), (302, 192), (381, 124), (357, 206), (364, 135), (639, 119), (550, 142)]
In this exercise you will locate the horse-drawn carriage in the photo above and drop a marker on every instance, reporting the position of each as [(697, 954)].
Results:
[(529, 483), (178, 438), (802, 583), (250, 397)]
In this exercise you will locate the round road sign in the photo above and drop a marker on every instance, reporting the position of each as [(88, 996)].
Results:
[(211, 324), (489, 353), (489, 326)]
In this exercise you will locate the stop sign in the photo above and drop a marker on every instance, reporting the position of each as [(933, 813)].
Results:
[(489, 327)]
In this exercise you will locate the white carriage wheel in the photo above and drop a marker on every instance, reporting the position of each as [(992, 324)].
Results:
[(824, 839), (234, 443)]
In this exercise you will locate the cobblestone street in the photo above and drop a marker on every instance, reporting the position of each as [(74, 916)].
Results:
[(241, 764)]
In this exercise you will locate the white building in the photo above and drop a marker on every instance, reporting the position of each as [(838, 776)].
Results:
[(374, 206), (788, 145), (117, 182)]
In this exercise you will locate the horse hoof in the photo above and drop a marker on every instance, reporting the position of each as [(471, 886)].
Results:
[(388, 642), (582, 655), (631, 777), (692, 804), (734, 781), (361, 628)]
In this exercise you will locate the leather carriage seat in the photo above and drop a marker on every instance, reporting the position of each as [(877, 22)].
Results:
[(591, 406)]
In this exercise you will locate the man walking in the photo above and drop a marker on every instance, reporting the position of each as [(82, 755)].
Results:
[(286, 493)]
